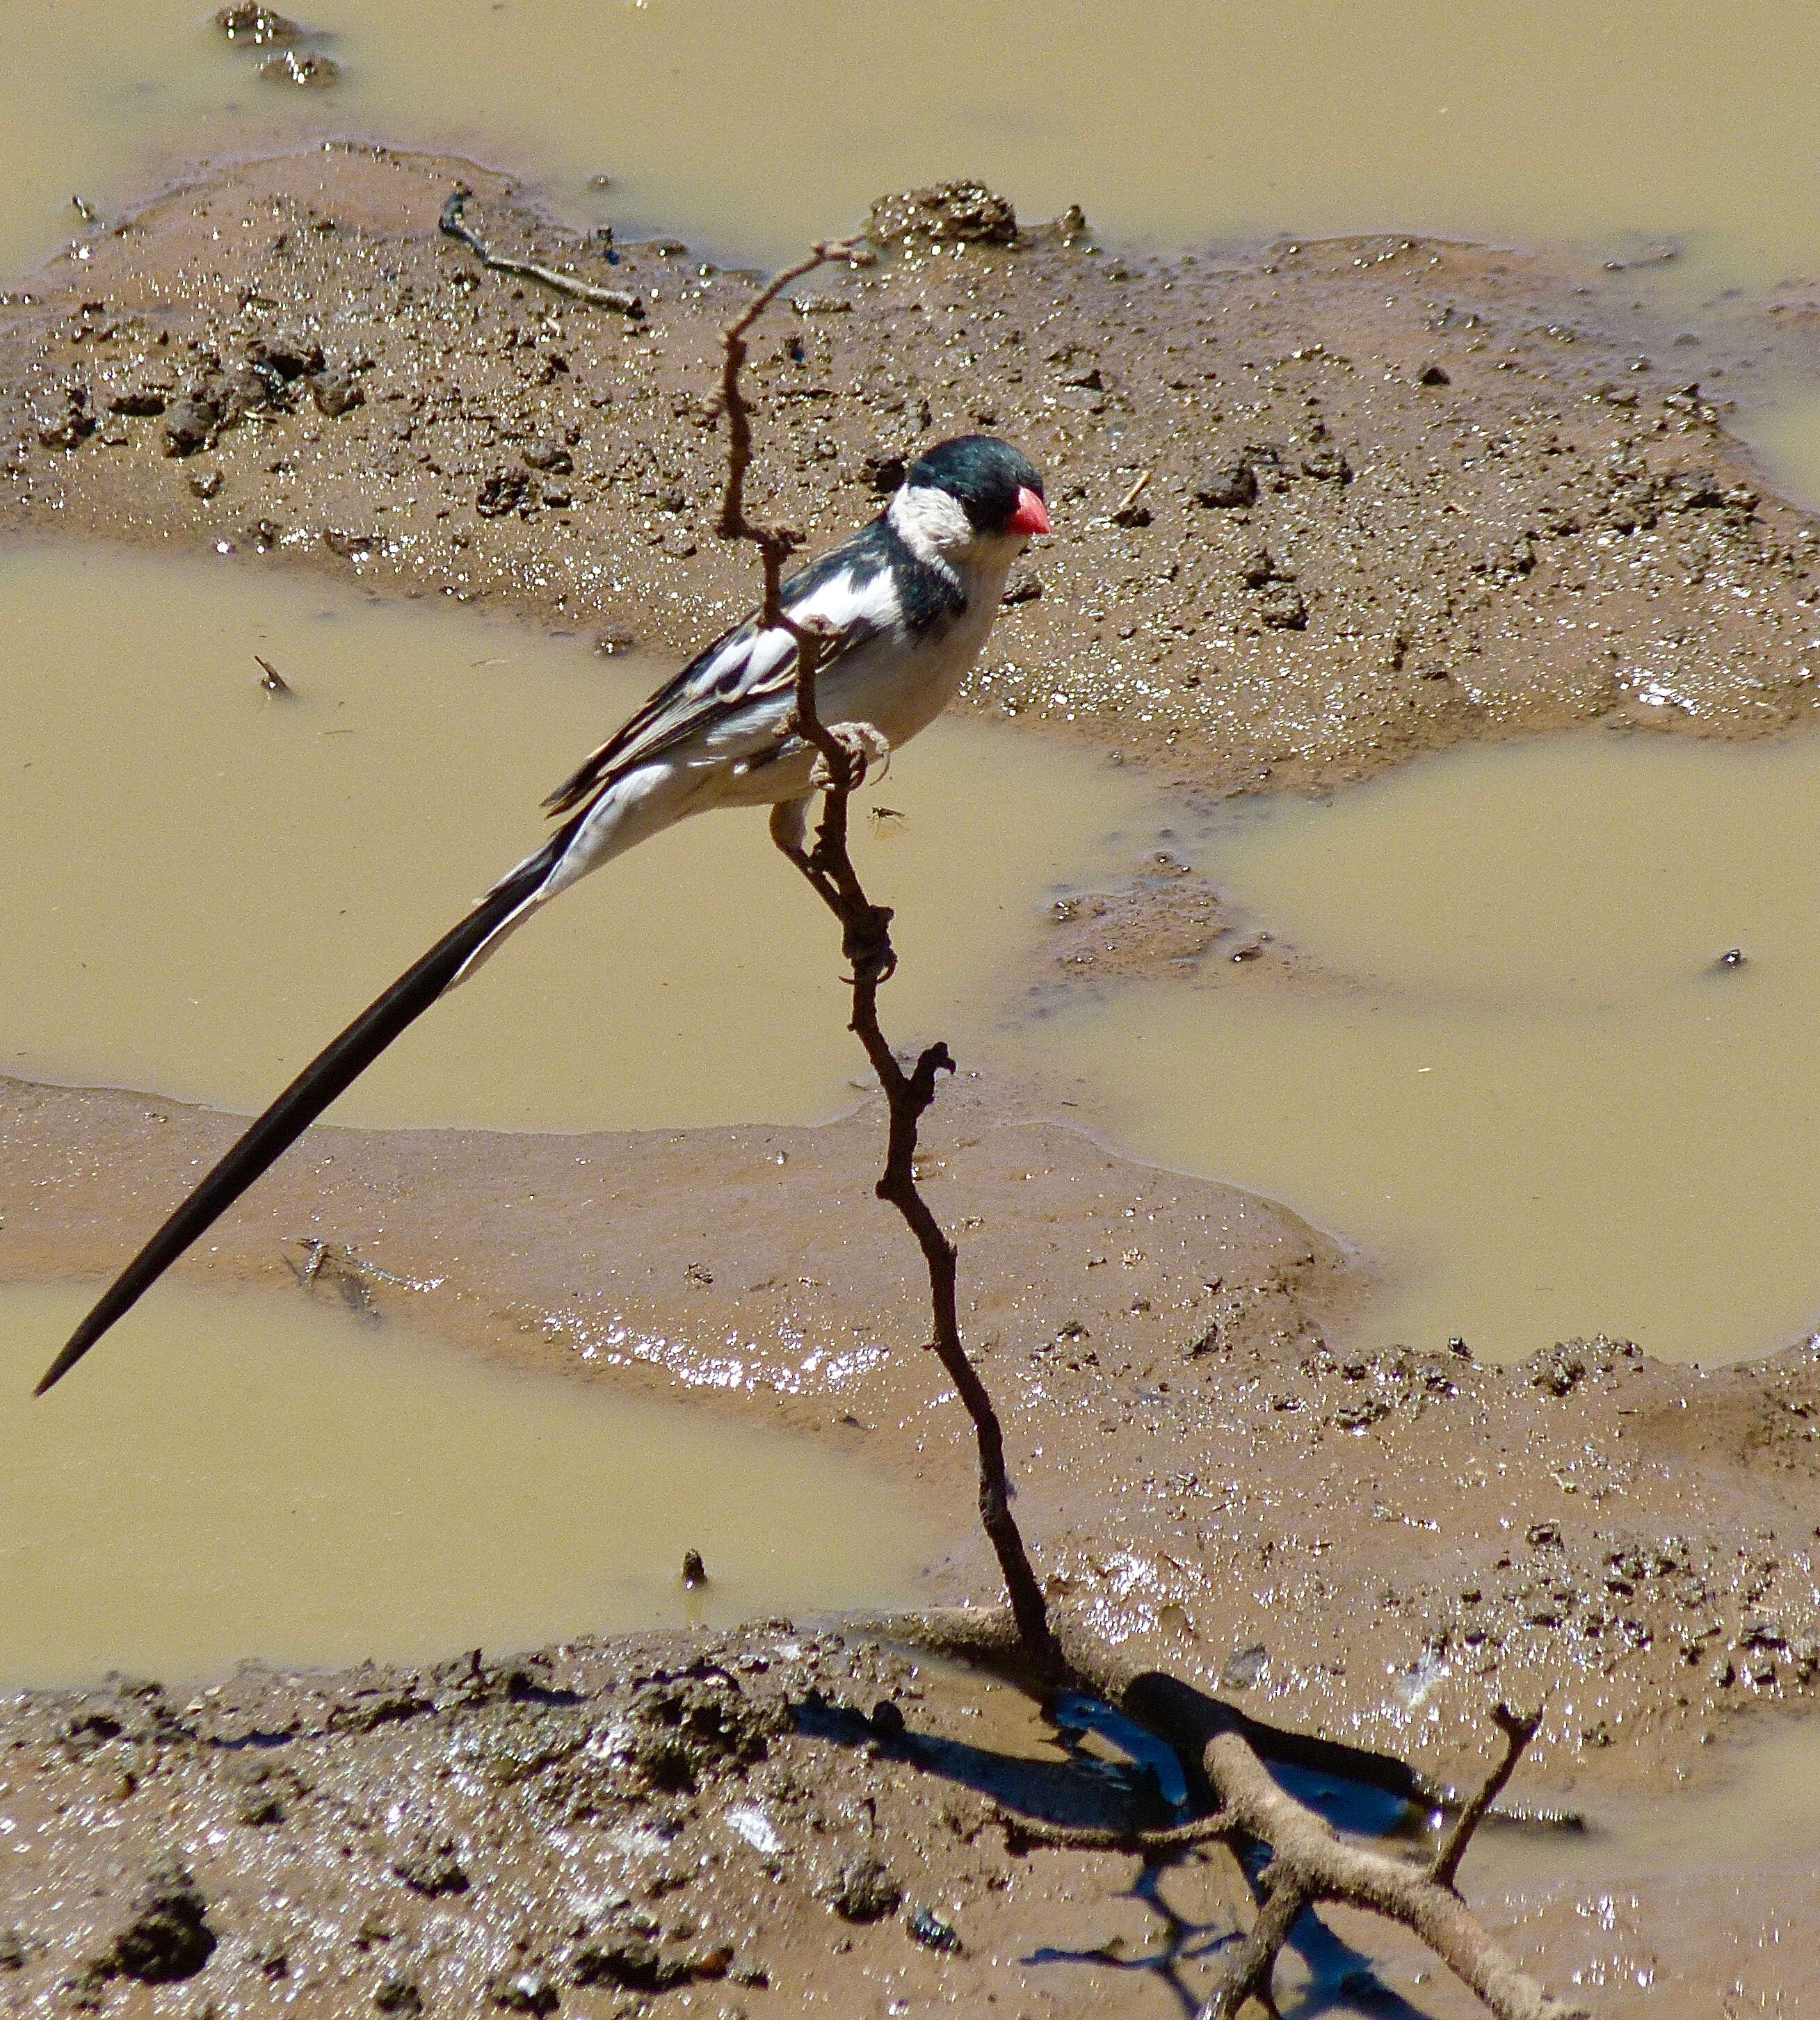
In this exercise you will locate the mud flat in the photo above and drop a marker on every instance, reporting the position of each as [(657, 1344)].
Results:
[(1396, 497), (1388, 507), (1372, 1547)]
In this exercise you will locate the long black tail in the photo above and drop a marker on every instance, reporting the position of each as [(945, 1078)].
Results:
[(307, 1095)]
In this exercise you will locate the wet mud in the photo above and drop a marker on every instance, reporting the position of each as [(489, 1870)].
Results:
[(1373, 1547), (1393, 499)]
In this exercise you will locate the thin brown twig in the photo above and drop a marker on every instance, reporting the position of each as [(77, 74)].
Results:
[(866, 940), (776, 544), (1025, 1834), (621, 299)]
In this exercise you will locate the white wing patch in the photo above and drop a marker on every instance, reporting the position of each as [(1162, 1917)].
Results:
[(747, 670)]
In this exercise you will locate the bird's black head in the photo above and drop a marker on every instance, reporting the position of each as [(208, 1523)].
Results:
[(998, 487)]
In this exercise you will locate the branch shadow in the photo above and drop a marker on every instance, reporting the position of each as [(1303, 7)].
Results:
[(1154, 1787)]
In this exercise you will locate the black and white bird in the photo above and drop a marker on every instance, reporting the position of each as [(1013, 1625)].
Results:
[(904, 606)]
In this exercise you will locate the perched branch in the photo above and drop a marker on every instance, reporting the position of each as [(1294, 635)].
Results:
[(1309, 1862), (866, 940), (1226, 1748), (627, 304)]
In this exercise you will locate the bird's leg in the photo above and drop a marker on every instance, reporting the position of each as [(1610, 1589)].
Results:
[(789, 824), (865, 928)]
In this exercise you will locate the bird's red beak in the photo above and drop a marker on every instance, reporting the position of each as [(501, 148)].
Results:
[(1031, 516)]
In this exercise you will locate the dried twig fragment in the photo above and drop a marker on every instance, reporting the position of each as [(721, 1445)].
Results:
[(621, 299)]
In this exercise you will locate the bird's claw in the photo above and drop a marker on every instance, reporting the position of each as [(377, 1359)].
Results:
[(864, 745)]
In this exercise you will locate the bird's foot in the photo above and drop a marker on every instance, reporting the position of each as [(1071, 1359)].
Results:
[(864, 745)]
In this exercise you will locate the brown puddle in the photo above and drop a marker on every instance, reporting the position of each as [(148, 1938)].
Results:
[(1505, 1053), (1501, 1057), (273, 1474), (222, 878), (1637, 1905), (1201, 120)]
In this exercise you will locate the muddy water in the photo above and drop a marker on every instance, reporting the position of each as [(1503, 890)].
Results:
[(221, 878), (1504, 1058), (1784, 430), (275, 1475), (1200, 120)]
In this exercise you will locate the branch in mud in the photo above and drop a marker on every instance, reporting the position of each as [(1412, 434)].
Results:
[(844, 751), (627, 304), (1309, 1863)]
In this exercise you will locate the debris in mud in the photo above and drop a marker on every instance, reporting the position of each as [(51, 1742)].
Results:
[(932, 1932), (882, 471), (1229, 488), (526, 1992), (632, 1961), (280, 356), (504, 491), (863, 1890), (259, 25), (964, 212), (1244, 1668), (167, 1938), (1563, 1367), (140, 402), (304, 68), (67, 420), (192, 420), (431, 1869), (336, 393)]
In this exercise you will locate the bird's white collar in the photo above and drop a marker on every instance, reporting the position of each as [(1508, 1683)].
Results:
[(932, 524)]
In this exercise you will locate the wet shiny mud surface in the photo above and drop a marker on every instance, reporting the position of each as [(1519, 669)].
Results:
[(1448, 526), (1200, 1469), (772, 1822)]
